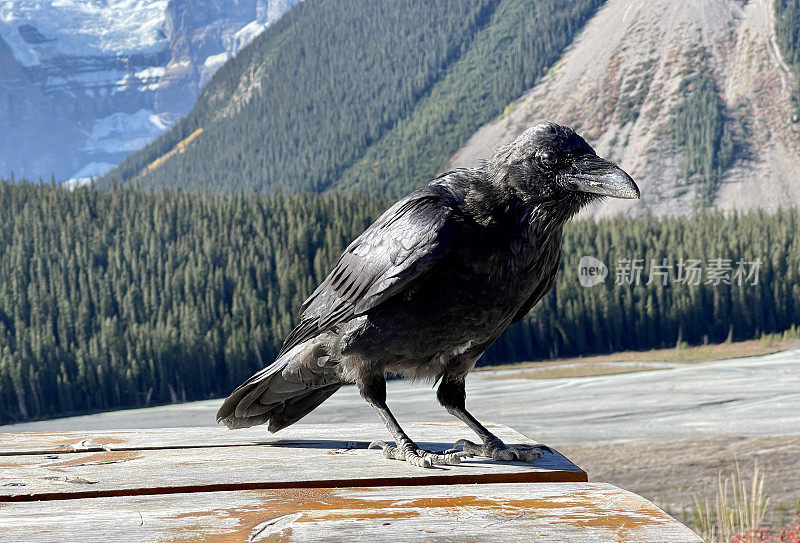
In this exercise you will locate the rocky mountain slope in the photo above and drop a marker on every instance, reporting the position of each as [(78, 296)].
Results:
[(84, 84), (376, 99), (694, 99), (637, 73)]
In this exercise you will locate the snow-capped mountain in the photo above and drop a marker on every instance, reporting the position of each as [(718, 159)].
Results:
[(83, 83)]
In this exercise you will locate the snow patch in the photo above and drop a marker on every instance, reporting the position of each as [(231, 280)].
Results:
[(76, 182), (83, 177), (154, 72), (159, 121), (93, 169), (211, 65), (93, 79), (216, 60), (82, 27), (125, 132), (247, 33), (179, 65)]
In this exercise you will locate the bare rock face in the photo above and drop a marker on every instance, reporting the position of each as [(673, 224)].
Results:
[(621, 81), (203, 35), (85, 84), (27, 115)]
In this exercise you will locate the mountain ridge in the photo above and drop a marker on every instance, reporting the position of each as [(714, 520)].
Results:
[(695, 101), (279, 116), (625, 96)]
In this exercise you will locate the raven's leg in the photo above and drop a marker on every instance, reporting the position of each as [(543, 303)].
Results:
[(374, 391), (452, 396)]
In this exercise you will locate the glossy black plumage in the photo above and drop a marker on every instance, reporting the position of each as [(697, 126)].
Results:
[(434, 281)]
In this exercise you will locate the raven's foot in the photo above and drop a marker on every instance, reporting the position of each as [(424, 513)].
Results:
[(420, 457), (497, 450)]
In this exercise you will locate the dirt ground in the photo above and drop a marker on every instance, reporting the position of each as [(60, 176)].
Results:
[(672, 473)]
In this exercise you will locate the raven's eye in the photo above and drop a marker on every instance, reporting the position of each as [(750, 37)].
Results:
[(548, 159)]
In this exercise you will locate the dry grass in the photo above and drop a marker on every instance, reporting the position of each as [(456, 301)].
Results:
[(738, 511), (673, 473)]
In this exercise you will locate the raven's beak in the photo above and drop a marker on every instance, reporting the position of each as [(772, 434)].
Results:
[(598, 176)]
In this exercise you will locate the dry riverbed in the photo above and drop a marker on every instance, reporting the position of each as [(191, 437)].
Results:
[(623, 362)]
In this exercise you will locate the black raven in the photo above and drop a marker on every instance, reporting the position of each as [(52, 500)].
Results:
[(425, 290)]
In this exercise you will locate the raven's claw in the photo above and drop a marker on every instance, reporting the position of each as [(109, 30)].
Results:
[(497, 450), (420, 457)]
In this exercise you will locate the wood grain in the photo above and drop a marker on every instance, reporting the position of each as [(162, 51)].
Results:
[(437, 434), (511, 512), (179, 460)]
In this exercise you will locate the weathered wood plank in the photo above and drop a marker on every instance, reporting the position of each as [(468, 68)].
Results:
[(513, 512), (150, 463), (324, 435)]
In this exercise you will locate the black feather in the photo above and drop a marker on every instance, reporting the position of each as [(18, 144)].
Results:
[(431, 284)]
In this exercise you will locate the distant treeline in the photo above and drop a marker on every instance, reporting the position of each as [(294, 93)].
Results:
[(127, 298), (709, 276), (121, 298)]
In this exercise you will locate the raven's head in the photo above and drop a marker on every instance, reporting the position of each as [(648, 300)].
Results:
[(551, 163)]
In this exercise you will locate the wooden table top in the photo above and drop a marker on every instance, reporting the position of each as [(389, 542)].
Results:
[(38, 466), (495, 511), (309, 482)]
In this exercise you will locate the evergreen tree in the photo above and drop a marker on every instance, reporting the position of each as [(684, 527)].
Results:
[(128, 298)]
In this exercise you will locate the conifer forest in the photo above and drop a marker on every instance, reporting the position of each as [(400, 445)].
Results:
[(132, 298)]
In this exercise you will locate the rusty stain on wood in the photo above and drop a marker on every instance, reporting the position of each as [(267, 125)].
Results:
[(555, 512), (106, 457)]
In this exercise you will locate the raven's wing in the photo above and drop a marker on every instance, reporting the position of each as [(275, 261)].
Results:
[(405, 242)]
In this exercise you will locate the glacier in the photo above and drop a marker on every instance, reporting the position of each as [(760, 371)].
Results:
[(82, 28), (124, 132), (103, 78)]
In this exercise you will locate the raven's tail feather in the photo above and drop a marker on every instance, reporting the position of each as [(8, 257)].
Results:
[(282, 393), (293, 410)]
